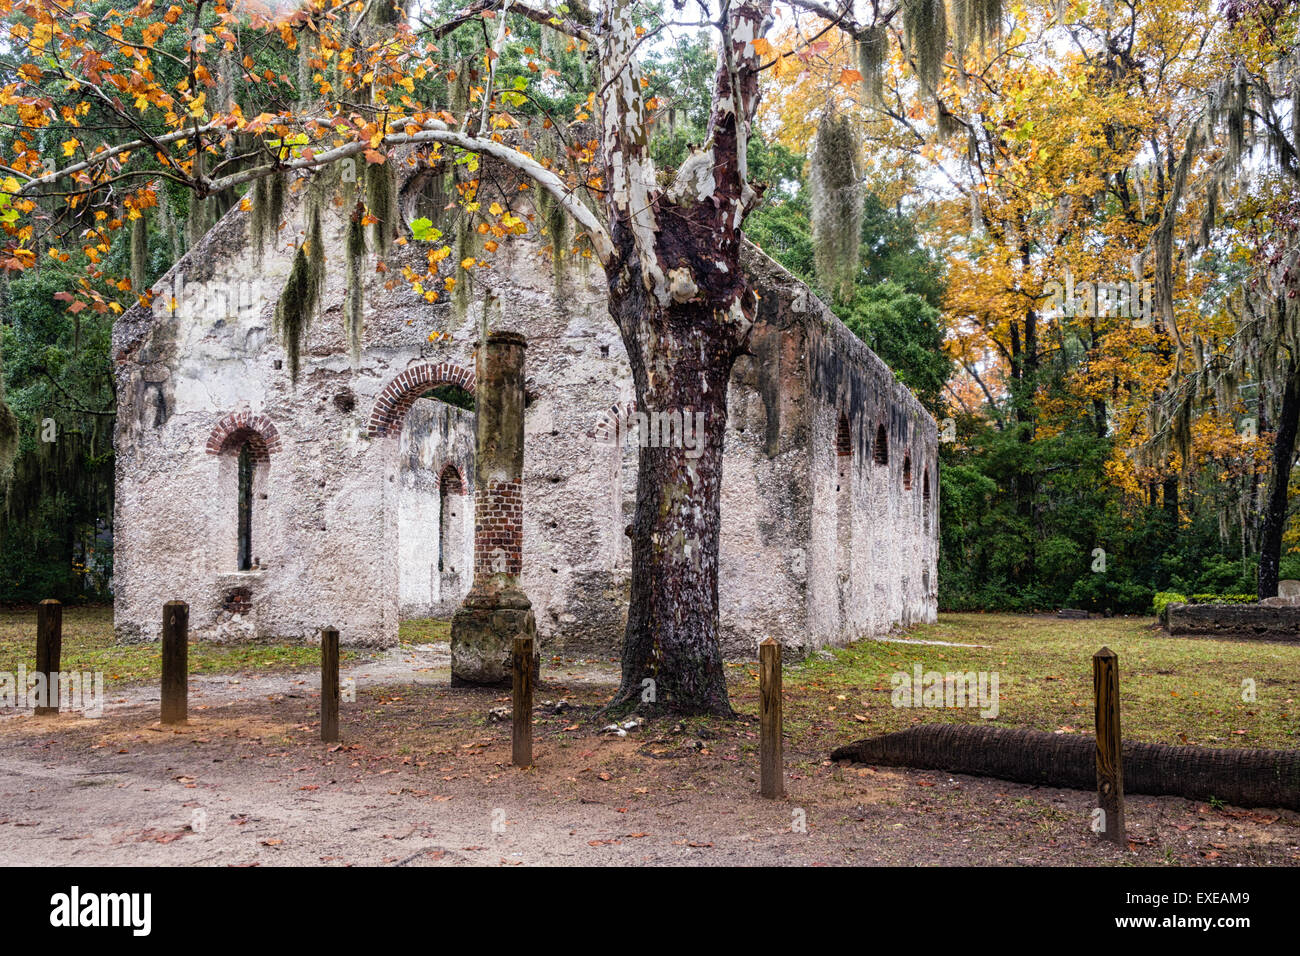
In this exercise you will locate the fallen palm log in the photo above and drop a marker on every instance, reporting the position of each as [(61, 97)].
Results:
[(1242, 777)]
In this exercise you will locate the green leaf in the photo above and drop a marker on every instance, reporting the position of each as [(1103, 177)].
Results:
[(424, 230)]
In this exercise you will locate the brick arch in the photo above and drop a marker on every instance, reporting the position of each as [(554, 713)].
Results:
[(452, 479), (232, 432), (401, 393)]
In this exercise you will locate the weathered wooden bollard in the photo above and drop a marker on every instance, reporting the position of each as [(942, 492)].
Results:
[(769, 683), (329, 684), (522, 702), (1110, 758), (49, 651), (175, 662)]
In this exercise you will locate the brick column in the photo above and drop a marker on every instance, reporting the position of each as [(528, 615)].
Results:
[(495, 610)]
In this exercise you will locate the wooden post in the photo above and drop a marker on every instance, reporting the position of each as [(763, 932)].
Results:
[(522, 702), (175, 662), (1110, 760), (769, 681), (329, 684), (49, 651)]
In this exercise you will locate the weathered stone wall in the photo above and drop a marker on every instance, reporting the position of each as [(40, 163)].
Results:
[(1235, 620), (352, 473)]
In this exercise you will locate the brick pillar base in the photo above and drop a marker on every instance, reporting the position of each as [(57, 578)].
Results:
[(483, 633)]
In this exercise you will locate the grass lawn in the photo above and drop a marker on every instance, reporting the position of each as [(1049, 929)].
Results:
[(88, 646), (1173, 690), (424, 631)]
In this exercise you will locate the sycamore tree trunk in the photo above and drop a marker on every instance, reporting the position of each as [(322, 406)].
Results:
[(681, 359), (1272, 521), (685, 311)]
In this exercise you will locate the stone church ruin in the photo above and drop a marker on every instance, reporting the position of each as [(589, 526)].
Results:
[(352, 496)]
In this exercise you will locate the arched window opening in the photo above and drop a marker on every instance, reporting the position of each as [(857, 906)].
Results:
[(881, 453), (246, 507), (242, 444), (907, 472), (843, 453), (925, 498), (843, 438)]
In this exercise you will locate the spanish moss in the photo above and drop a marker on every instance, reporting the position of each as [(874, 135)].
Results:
[(837, 206), (925, 24), (302, 291), (139, 254), (354, 301), (381, 201)]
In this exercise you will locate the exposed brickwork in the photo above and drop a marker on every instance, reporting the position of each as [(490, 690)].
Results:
[(499, 529), (451, 481), (238, 601), (843, 438), (881, 454), (907, 472), (402, 392), (238, 428)]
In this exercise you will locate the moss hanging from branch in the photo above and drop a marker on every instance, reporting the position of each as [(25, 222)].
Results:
[(301, 294), (381, 202), (836, 206), (268, 209), (139, 254), (978, 20), (872, 48), (354, 300), (386, 12), (462, 249), (948, 125), (925, 24)]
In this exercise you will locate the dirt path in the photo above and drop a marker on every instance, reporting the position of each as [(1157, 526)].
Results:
[(423, 778)]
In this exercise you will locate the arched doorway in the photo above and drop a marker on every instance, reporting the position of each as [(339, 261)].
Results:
[(428, 413)]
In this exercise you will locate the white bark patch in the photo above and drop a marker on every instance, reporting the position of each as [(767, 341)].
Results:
[(695, 181)]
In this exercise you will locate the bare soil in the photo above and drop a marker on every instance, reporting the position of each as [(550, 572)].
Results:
[(422, 777)]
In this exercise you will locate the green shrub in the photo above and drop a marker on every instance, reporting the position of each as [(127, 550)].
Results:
[(1163, 599)]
